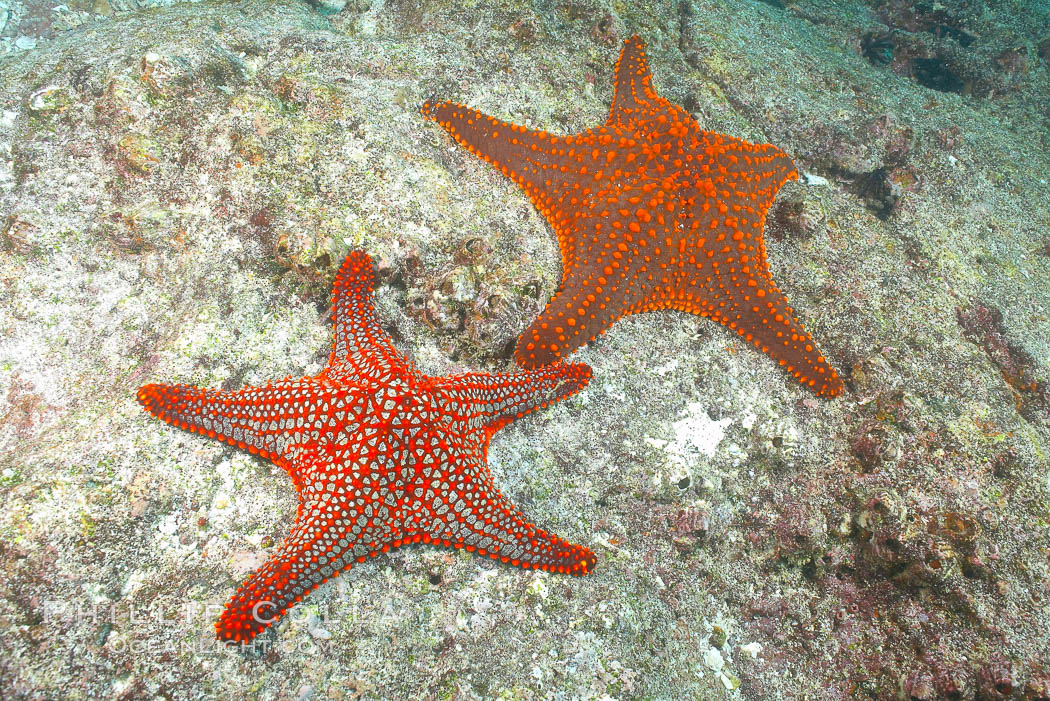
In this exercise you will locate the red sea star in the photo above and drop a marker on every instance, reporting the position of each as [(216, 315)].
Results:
[(651, 213), (380, 455)]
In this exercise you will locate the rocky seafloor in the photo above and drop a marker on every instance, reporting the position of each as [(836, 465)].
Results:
[(179, 184)]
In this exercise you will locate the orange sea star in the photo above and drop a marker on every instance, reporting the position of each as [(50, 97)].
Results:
[(380, 455), (651, 213)]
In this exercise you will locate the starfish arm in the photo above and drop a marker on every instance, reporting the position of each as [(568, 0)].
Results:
[(587, 303), (722, 270), (751, 305), (760, 314), (270, 591), (554, 171), (492, 401), (359, 341), (334, 529), (237, 417), (273, 421), (458, 508), (743, 175), (473, 514), (551, 336), (634, 100)]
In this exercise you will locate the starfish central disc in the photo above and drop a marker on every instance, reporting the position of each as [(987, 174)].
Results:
[(380, 456), (651, 213)]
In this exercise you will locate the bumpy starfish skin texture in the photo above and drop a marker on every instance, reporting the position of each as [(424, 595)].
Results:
[(380, 455), (651, 213)]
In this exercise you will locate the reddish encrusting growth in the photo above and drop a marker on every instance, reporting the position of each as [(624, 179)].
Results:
[(380, 455), (651, 213)]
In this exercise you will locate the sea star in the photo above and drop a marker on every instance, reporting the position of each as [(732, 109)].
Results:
[(651, 213), (380, 455)]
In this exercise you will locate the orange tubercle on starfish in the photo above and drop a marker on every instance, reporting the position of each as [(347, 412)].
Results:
[(651, 213), (380, 455)]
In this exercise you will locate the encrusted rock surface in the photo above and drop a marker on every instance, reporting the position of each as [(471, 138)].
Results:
[(179, 184)]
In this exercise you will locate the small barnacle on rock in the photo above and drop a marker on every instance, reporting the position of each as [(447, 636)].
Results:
[(885, 549), (997, 679), (918, 685), (692, 521), (16, 234), (892, 544), (776, 440), (879, 191), (1038, 686), (157, 74), (843, 526), (950, 680), (718, 637), (800, 532), (689, 528), (1013, 62), (873, 445), (472, 251), (797, 219), (948, 138), (867, 450), (878, 48), (138, 153), (885, 507), (441, 313), (833, 560), (959, 528), (399, 267), (524, 30), (481, 330), (52, 99), (531, 289), (460, 284), (939, 558), (973, 566)]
